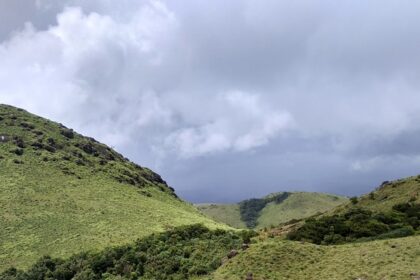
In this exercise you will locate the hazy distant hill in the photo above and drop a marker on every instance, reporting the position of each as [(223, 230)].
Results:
[(61, 193), (272, 209)]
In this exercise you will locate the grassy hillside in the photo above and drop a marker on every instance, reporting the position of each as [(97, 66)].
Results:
[(226, 213), (297, 206), (392, 210), (375, 220), (272, 210), (280, 259), (61, 193), (182, 253), (390, 193)]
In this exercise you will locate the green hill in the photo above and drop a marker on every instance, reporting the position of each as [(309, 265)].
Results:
[(281, 259), (368, 232), (61, 193), (226, 213), (388, 194), (392, 210), (273, 209)]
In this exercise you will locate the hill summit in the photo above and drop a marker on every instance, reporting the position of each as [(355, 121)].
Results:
[(61, 193)]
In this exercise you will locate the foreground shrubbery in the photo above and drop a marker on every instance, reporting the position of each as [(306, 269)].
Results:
[(360, 224), (177, 254)]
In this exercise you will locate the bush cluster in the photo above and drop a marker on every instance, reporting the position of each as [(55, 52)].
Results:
[(360, 224), (177, 254)]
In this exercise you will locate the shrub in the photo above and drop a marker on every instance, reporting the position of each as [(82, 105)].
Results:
[(68, 133), (18, 151), (19, 142), (354, 200)]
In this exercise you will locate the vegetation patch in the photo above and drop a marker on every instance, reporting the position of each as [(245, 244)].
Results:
[(272, 210), (226, 213), (279, 259), (360, 224), (250, 209), (180, 253)]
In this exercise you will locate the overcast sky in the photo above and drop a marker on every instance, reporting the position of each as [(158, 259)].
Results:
[(227, 99)]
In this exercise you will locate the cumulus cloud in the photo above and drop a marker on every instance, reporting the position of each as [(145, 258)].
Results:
[(309, 93), (111, 77), (243, 124), (90, 70)]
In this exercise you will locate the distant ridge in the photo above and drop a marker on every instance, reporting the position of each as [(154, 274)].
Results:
[(272, 209)]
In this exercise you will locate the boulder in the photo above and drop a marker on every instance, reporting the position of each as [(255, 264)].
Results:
[(249, 276), (232, 253)]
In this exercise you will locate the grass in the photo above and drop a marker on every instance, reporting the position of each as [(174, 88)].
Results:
[(297, 205), (67, 195), (391, 193), (273, 257), (226, 213), (280, 259), (384, 197), (178, 254)]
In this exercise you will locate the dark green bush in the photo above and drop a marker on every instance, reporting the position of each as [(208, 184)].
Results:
[(68, 133), (354, 200), (18, 151)]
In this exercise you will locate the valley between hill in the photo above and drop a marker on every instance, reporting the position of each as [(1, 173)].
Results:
[(271, 210), (100, 216)]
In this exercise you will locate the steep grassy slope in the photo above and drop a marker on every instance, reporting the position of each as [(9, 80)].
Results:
[(280, 259), (273, 209), (61, 193)]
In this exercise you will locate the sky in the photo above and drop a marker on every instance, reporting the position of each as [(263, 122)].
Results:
[(227, 100)]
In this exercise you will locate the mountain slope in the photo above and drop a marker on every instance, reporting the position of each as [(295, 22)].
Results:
[(390, 211), (61, 193), (281, 259), (388, 194), (226, 213), (272, 209), (181, 253)]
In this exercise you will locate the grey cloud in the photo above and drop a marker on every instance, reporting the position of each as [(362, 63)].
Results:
[(228, 99)]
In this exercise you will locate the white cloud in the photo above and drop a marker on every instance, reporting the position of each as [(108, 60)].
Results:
[(90, 70), (105, 75), (246, 123)]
